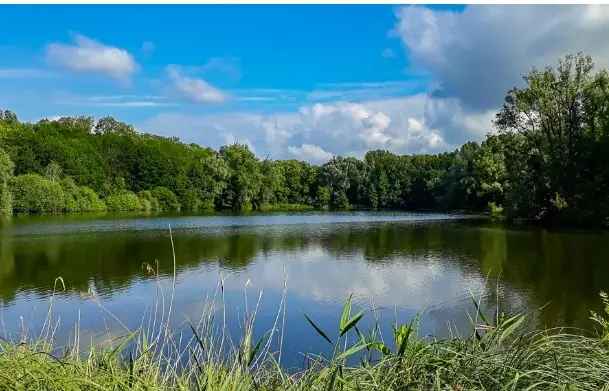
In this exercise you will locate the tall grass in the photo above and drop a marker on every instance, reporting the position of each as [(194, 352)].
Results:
[(498, 354)]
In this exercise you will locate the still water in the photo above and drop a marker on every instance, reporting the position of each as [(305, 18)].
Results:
[(398, 264)]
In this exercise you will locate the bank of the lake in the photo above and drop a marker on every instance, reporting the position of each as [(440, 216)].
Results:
[(498, 354)]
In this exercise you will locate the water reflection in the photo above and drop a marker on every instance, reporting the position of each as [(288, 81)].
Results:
[(396, 262)]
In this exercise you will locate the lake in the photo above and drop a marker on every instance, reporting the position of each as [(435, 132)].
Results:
[(398, 264)]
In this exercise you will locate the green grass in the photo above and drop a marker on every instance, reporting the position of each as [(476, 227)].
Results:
[(498, 355)]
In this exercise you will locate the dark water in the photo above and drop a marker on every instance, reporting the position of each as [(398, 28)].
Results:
[(401, 264)]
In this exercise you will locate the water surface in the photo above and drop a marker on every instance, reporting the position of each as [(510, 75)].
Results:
[(400, 264)]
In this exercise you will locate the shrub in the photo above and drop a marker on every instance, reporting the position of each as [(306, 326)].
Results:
[(6, 173), (33, 193), (168, 201), (125, 201), (71, 195), (89, 201), (80, 198), (149, 202), (195, 201), (6, 200), (324, 195), (496, 211)]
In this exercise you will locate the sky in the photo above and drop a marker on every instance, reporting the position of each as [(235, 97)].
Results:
[(298, 81)]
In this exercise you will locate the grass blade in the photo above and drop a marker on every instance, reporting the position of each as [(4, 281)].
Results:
[(319, 331)]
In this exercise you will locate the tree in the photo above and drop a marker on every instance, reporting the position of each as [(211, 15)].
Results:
[(109, 125), (272, 189), (559, 120), (8, 116), (6, 174), (208, 175), (53, 171), (244, 178), (167, 200), (33, 193)]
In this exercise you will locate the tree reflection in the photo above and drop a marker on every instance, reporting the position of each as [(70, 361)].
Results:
[(563, 269)]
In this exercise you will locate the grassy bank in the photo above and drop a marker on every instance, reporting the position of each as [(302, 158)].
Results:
[(497, 355)]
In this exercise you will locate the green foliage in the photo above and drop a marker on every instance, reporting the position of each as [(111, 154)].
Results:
[(125, 201), (557, 160), (167, 200), (33, 193), (148, 201), (6, 174), (80, 198), (53, 171), (244, 179), (602, 319), (548, 162), (323, 197), (496, 211), (500, 354)]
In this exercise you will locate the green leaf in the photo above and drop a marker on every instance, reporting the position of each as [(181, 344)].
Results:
[(319, 331), (122, 346), (199, 341), (381, 347), (351, 322), (352, 350), (330, 385), (253, 352), (346, 314), (510, 325), (479, 311)]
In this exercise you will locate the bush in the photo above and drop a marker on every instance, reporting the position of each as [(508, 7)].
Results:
[(149, 202), (125, 201), (6, 200), (80, 198), (324, 195), (89, 201), (195, 201), (168, 201), (496, 211), (33, 193), (6, 173)]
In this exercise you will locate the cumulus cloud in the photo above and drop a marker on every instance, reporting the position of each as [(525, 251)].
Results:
[(317, 132), (88, 55), (478, 54), (193, 89), (311, 153)]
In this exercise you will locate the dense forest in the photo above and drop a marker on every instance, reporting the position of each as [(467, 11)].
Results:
[(547, 159)]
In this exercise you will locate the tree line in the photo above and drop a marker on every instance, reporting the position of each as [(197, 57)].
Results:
[(547, 160)]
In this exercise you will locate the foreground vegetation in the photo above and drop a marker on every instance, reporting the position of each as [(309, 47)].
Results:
[(498, 355), (547, 161)]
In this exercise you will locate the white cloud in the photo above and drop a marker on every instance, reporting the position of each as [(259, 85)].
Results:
[(88, 55), (478, 54), (316, 132), (311, 153), (119, 101), (193, 89), (365, 91)]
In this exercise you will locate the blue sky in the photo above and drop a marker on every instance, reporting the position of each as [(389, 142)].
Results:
[(305, 82)]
